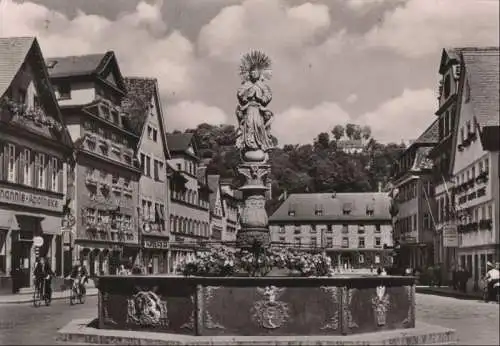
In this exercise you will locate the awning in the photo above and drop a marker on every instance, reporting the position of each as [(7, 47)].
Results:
[(51, 225), (7, 221)]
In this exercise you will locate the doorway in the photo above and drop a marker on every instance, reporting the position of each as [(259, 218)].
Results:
[(21, 259)]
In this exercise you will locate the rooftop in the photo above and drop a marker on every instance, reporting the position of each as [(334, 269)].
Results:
[(305, 207), (179, 142), (13, 52), (76, 65), (137, 102)]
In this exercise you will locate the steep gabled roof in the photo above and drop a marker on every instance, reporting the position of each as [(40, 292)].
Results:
[(85, 65), (137, 103), (332, 205), (14, 52), (430, 135), (179, 143), (213, 182), (482, 72)]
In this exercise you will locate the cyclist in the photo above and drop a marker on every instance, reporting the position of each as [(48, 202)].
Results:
[(43, 276), (80, 276)]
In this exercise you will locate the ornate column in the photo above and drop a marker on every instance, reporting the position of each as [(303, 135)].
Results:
[(254, 142)]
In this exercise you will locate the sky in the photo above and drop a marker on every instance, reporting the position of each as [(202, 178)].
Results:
[(369, 62)]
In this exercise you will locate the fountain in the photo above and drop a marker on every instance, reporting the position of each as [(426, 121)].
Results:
[(250, 310)]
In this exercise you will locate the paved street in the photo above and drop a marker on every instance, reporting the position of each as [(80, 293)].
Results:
[(476, 322)]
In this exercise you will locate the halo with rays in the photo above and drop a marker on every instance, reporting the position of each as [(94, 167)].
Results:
[(255, 60)]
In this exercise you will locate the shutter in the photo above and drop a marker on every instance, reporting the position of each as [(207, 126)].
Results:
[(60, 176), (49, 173), (2, 156), (34, 172)]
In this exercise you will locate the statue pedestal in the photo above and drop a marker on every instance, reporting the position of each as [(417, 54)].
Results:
[(254, 222)]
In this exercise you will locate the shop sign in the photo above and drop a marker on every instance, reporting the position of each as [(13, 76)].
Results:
[(450, 235), (29, 199), (156, 244)]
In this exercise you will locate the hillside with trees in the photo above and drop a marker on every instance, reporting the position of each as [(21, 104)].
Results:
[(318, 167)]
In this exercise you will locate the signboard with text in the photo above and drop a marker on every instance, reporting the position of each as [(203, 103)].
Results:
[(156, 244), (29, 199), (450, 235)]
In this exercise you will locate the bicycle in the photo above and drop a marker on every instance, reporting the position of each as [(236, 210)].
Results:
[(40, 294), (77, 292)]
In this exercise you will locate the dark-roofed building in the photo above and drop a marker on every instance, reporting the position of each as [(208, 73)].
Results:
[(475, 161), (414, 226), (353, 228), (217, 212), (144, 110), (90, 90), (189, 199), (35, 148), (232, 200)]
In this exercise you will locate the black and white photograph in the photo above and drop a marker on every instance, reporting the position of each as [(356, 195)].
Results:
[(249, 172)]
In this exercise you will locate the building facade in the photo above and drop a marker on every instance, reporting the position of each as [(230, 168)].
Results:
[(354, 229), (189, 199), (35, 147), (232, 203), (445, 241), (475, 160), (90, 90), (414, 226), (143, 106)]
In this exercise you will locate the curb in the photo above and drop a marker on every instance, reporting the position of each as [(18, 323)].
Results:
[(424, 290), (29, 299)]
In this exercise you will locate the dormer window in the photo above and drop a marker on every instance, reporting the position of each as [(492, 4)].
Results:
[(318, 211), (64, 90), (346, 210), (291, 212), (370, 209)]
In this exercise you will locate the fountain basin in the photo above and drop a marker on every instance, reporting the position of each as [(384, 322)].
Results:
[(263, 306)]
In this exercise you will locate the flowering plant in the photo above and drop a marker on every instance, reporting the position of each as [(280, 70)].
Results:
[(35, 114), (216, 262), (222, 262)]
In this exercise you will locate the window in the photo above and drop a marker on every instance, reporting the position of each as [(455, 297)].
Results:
[(282, 229), (427, 224), (345, 242), (91, 216), (148, 166), (462, 135), (473, 172), (378, 242), (414, 226), (329, 229), (157, 170), (314, 241), (361, 242), (329, 242), (447, 86), (377, 228), (282, 240), (54, 174), (114, 178), (150, 132), (361, 229), (313, 229), (291, 213), (490, 212), (27, 167), (155, 135), (40, 173), (345, 228), (22, 96), (11, 169), (298, 241), (481, 168), (361, 259), (346, 212), (179, 167), (486, 165), (297, 229), (64, 91)]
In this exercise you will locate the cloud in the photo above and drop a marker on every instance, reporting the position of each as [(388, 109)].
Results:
[(404, 117), (423, 27), (140, 38), (188, 114), (352, 98), (299, 125), (265, 24)]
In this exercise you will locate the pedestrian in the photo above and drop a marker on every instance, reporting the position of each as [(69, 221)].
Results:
[(454, 281), (122, 271), (379, 271)]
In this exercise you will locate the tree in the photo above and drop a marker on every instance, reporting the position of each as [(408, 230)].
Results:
[(366, 132), (338, 132), (356, 133), (322, 141), (349, 130)]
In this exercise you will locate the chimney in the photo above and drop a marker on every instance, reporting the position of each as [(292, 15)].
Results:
[(379, 186)]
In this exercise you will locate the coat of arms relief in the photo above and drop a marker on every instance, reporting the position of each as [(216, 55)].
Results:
[(147, 309), (270, 313)]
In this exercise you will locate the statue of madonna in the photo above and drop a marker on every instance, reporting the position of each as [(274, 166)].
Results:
[(254, 119)]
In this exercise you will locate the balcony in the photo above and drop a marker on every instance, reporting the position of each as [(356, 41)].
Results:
[(486, 224)]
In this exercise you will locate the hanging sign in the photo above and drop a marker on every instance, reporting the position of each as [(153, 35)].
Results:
[(450, 235)]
